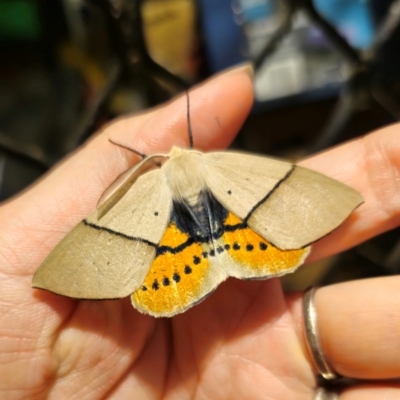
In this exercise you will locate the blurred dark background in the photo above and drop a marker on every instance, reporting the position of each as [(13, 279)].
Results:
[(326, 71)]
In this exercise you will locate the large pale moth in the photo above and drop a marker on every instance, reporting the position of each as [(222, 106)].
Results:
[(176, 225)]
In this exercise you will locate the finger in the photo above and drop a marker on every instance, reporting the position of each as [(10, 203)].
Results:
[(370, 165), (217, 111), (38, 219), (372, 391), (358, 326)]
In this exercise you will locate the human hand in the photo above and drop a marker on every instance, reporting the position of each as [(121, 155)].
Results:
[(246, 339)]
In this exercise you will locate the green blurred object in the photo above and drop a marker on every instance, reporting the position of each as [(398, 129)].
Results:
[(19, 19)]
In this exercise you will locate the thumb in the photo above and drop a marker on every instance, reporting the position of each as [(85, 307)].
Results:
[(37, 220)]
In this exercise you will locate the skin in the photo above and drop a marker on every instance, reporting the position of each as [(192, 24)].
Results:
[(245, 341)]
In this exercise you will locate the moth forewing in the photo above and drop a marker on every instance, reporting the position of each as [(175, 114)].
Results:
[(240, 181), (124, 181), (303, 208), (93, 263), (108, 254), (288, 205)]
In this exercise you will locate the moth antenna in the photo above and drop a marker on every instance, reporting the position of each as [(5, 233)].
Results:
[(190, 133), (143, 156)]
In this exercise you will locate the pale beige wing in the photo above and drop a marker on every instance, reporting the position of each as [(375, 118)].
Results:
[(109, 253), (305, 207), (124, 181), (239, 181), (290, 206)]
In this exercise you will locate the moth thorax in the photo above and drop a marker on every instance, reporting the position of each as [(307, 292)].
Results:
[(184, 172)]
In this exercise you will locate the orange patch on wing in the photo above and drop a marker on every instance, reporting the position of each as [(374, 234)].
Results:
[(173, 237), (174, 281), (256, 255), (178, 279)]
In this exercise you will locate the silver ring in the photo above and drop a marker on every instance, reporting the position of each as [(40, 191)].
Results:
[(323, 394), (312, 337)]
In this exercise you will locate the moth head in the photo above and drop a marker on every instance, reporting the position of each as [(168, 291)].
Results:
[(185, 174)]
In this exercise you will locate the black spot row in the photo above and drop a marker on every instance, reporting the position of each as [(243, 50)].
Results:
[(197, 260), (166, 282), (235, 246)]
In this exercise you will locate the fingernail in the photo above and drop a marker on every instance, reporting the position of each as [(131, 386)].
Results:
[(246, 67)]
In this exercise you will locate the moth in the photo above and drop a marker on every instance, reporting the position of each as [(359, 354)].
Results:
[(176, 225)]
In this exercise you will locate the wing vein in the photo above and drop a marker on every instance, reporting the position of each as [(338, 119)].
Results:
[(267, 196), (103, 228)]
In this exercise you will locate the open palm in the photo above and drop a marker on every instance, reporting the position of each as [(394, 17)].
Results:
[(245, 341)]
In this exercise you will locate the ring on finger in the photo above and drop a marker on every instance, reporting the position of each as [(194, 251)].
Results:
[(312, 336), (324, 394)]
